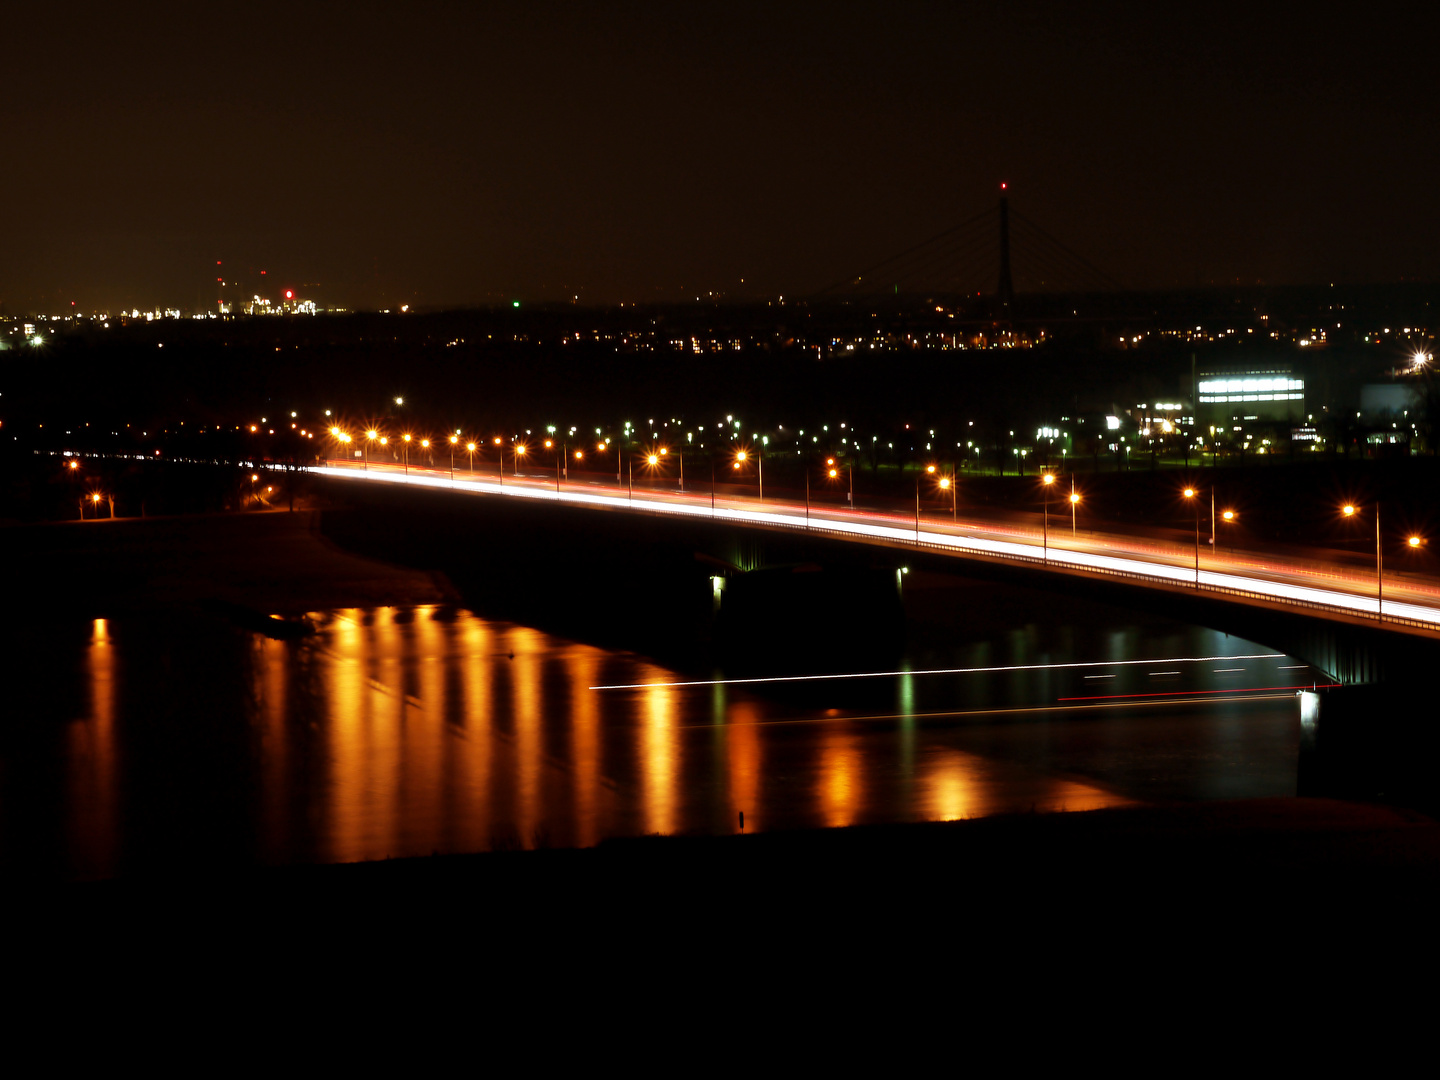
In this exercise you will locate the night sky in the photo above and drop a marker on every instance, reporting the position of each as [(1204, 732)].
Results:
[(442, 154)]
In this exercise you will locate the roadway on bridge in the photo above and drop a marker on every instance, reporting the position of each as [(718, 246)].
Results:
[(1408, 598)]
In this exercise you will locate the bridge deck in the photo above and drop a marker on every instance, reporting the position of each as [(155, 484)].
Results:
[(1339, 594)]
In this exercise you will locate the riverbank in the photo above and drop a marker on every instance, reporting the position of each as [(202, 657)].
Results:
[(269, 561)]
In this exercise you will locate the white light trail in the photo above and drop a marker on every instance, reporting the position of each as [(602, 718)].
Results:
[(1060, 558), (948, 671)]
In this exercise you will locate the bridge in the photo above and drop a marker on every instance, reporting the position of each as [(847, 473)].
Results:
[(1366, 734), (1346, 623)]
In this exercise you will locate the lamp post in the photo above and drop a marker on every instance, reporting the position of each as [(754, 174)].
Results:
[(1074, 500), (1351, 511), (470, 449), (520, 451), (500, 454), (1048, 480), (405, 452), (1229, 517), (453, 440), (370, 436), (1190, 494)]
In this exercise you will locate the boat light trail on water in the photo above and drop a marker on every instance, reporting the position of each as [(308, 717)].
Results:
[(1180, 574), (952, 714), (1155, 695), (938, 671)]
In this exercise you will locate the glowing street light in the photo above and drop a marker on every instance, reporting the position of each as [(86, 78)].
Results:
[(370, 436), (454, 439), (1414, 541), (1230, 517), (947, 483), (742, 456), (1350, 510), (405, 450), (470, 449), (1074, 502), (1190, 494), (1048, 479)]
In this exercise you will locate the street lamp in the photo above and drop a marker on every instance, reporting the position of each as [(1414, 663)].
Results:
[(470, 449), (947, 484), (1190, 493), (1350, 510), (742, 456), (1231, 517), (1074, 502), (370, 436), (405, 452), (680, 457), (453, 440), (520, 449), (1048, 479)]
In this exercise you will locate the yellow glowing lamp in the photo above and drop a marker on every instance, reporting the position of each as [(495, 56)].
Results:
[(1414, 541), (425, 443), (579, 455), (520, 448), (1189, 493), (1348, 510), (1228, 515), (372, 434), (740, 456), (944, 483), (1074, 497), (834, 473), (454, 439), (930, 468), (1049, 478), (653, 459), (470, 446)]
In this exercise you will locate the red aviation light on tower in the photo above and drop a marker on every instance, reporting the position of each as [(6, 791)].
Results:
[(1003, 185), (289, 294)]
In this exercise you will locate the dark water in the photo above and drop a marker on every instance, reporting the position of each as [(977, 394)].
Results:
[(142, 745)]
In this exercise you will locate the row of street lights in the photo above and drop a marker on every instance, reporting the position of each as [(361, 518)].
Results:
[(654, 459)]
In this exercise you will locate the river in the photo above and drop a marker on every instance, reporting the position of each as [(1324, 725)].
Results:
[(187, 743)]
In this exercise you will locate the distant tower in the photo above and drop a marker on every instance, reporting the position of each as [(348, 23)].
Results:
[(1006, 292)]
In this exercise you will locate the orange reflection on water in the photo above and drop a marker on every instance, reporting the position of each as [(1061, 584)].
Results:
[(743, 763), (583, 665), (90, 796), (955, 784), (841, 789), (525, 649), (660, 752)]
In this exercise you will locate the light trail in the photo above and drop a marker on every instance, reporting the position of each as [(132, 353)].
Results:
[(1158, 694), (893, 530), (943, 671), (962, 713)]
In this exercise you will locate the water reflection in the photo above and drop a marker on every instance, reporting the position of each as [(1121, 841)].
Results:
[(405, 732)]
